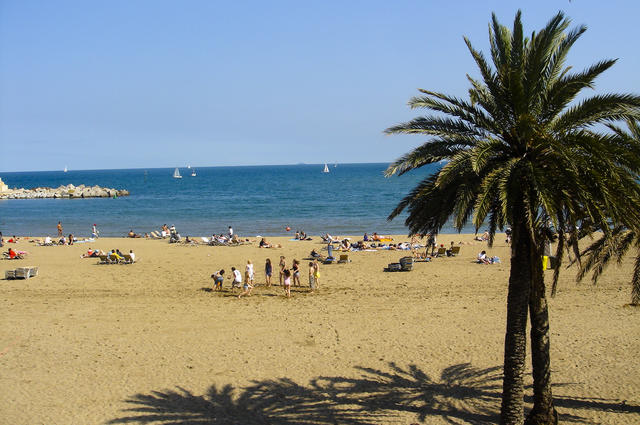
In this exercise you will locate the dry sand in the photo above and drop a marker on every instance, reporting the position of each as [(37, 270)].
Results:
[(84, 343)]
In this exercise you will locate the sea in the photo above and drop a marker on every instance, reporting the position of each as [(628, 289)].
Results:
[(350, 199)]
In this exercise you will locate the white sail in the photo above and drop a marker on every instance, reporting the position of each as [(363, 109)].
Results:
[(65, 169), (326, 168), (176, 174), (193, 172)]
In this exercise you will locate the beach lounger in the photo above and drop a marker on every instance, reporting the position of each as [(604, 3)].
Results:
[(205, 240), (455, 251), (441, 252)]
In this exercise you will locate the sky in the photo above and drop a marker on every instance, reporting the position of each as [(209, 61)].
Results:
[(153, 83)]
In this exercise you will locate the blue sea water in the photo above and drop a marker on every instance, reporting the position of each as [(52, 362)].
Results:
[(255, 200)]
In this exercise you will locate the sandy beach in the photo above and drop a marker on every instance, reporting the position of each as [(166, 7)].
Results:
[(84, 343)]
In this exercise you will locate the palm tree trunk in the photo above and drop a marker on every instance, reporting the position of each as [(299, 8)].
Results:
[(515, 342), (543, 412)]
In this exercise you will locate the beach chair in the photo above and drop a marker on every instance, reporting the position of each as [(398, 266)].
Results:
[(344, 258), (10, 274), (128, 259), (113, 259), (104, 259), (441, 252), (455, 251)]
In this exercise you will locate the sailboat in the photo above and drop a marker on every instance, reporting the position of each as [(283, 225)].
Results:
[(326, 168), (193, 172), (176, 174), (65, 169)]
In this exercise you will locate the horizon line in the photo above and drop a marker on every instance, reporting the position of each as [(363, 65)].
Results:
[(196, 166)]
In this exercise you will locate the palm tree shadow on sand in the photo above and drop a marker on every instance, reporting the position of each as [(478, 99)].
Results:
[(462, 395)]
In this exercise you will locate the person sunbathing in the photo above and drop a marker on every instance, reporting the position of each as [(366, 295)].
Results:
[(13, 255), (264, 243), (131, 234), (483, 258)]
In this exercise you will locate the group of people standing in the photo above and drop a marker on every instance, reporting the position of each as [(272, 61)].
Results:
[(286, 275)]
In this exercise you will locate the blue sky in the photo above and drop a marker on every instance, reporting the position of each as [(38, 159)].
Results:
[(132, 84)]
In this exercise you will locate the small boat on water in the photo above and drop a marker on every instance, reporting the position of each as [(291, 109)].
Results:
[(326, 168), (65, 169), (176, 174), (193, 172)]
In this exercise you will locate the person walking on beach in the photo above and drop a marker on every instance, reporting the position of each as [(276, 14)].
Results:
[(283, 266), (268, 271), (94, 231), (59, 228), (230, 233), (296, 273), (316, 273), (249, 273), (287, 282), (237, 279)]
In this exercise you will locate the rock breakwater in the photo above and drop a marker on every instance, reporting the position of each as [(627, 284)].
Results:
[(68, 191)]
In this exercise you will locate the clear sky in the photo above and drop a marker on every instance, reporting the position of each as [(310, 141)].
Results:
[(151, 83)]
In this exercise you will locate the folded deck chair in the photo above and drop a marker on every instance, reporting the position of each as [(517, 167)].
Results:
[(344, 258), (23, 273), (406, 264)]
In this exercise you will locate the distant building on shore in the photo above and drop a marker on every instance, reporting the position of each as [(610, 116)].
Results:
[(3, 187)]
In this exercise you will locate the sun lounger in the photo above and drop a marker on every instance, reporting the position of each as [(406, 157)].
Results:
[(455, 251)]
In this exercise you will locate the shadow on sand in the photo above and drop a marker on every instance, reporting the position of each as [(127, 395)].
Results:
[(462, 395)]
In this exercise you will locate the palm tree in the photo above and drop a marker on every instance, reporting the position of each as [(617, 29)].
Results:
[(522, 151), (614, 244)]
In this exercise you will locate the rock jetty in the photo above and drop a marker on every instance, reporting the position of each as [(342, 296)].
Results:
[(68, 191)]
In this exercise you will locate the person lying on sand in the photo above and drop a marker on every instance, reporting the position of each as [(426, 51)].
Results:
[(131, 234)]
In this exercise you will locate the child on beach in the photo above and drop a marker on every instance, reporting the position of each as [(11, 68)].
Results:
[(249, 274), (247, 287), (312, 279), (282, 265), (316, 273), (268, 271), (237, 279), (296, 273), (218, 278), (287, 282)]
